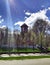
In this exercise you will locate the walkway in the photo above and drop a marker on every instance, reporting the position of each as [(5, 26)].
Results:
[(27, 62)]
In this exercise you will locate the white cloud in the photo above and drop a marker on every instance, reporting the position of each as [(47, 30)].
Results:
[(0, 16), (4, 26), (48, 8), (34, 16), (28, 13), (25, 17), (19, 23), (1, 21)]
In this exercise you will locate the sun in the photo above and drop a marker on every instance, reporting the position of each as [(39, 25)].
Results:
[(11, 2)]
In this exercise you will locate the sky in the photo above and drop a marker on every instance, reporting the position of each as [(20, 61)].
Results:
[(13, 13)]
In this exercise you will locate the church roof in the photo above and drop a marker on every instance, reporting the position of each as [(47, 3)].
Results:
[(24, 25)]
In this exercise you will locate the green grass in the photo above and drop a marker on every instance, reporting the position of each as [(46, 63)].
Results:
[(20, 50), (48, 48), (23, 57)]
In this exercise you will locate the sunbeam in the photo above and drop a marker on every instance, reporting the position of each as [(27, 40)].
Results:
[(9, 17), (11, 2)]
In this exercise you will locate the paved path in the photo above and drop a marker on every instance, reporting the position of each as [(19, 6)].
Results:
[(30, 54), (27, 62)]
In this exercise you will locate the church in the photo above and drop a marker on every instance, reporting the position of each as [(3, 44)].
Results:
[(24, 28)]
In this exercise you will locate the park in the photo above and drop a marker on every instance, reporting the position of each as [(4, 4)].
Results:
[(24, 32)]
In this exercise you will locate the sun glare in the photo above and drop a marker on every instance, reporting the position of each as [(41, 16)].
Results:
[(11, 2), (9, 17)]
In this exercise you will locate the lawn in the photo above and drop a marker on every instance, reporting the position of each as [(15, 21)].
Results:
[(24, 57), (20, 50)]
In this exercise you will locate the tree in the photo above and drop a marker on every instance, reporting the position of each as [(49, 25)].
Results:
[(33, 38), (1, 37), (40, 28)]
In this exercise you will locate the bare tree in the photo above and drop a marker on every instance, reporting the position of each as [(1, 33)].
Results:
[(40, 28)]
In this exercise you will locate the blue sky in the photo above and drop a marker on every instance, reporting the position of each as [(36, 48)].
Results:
[(13, 13)]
